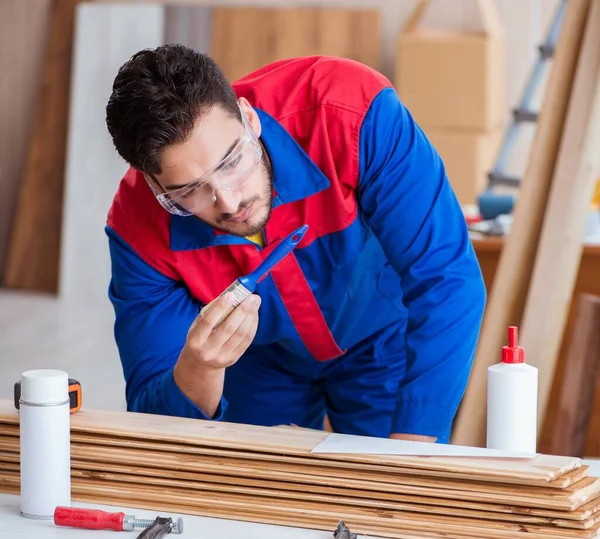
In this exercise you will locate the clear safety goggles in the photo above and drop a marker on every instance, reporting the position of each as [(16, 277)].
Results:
[(228, 175)]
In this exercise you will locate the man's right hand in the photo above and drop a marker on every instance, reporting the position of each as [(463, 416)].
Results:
[(211, 348)]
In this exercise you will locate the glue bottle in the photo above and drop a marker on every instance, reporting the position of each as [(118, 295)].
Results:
[(45, 438), (512, 400)]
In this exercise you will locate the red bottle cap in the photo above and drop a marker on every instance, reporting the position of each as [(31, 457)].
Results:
[(513, 353)]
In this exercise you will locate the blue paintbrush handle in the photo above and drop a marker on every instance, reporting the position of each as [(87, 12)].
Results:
[(284, 248)]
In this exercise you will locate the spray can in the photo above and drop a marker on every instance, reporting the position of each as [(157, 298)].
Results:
[(512, 400), (45, 438)]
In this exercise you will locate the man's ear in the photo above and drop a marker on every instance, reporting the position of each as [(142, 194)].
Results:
[(251, 116)]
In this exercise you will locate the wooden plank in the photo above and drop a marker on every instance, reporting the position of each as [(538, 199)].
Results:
[(371, 517), (246, 38), (93, 168), (34, 245), (330, 468), (267, 474), (507, 298), (294, 443), (578, 385), (22, 43), (394, 502), (570, 499), (560, 245), (414, 503)]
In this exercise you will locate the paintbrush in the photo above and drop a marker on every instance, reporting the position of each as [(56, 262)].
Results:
[(242, 287)]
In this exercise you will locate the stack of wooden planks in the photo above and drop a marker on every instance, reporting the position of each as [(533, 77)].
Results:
[(271, 475)]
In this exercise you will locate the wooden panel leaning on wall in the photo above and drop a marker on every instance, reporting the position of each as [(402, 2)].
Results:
[(587, 282), (560, 245), (22, 42), (507, 299), (33, 256)]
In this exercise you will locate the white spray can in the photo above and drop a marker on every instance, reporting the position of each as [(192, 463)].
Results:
[(512, 400), (45, 439)]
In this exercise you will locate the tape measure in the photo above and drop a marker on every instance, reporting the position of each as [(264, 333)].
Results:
[(75, 396)]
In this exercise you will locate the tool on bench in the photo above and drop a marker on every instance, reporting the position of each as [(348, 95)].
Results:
[(96, 519), (161, 527), (343, 532), (75, 395)]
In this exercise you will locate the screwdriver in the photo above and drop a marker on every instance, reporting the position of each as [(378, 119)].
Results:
[(96, 519)]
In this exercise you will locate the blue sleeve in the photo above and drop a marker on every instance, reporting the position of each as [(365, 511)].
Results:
[(406, 198), (152, 317)]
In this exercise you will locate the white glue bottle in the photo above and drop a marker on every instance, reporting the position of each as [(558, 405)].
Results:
[(512, 400), (45, 439)]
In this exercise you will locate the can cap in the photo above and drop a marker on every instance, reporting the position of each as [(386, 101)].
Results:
[(44, 386), (513, 353)]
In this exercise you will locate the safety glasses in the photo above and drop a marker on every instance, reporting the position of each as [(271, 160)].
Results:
[(228, 175)]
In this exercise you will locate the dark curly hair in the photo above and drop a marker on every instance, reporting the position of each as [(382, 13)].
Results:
[(158, 96)]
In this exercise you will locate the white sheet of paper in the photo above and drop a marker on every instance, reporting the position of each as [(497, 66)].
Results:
[(365, 445)]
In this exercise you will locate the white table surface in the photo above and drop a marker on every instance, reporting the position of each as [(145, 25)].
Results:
[(13, 526)]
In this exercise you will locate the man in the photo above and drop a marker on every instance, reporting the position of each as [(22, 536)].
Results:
[(373, 319)]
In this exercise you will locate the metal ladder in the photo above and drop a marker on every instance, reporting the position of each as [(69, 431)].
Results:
[(523, 112)]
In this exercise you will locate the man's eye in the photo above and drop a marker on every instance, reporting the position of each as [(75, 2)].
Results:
[(190, 192), (233, 163)]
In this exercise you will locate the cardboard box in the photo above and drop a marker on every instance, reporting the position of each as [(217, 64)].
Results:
[(454, 78), (468, 158)]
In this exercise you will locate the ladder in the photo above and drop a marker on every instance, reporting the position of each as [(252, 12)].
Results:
[(523, 112)]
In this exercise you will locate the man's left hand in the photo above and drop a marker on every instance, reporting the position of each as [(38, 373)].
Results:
[(413, 437)]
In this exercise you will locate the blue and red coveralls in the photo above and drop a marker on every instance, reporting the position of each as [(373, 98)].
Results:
[(373, 319)]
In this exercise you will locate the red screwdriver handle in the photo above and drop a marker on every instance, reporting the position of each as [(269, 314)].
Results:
[(91, 519)]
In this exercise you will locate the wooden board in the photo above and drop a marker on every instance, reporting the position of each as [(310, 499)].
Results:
[(391, 473), (507, 298), (588, 516), (34, 245), (246, 38), (250, 505), (93, 168), (351, 491), (329, 468), (576, 398), (225, 469), (543, 468), (269, 474), (560, 245), (22, 44)]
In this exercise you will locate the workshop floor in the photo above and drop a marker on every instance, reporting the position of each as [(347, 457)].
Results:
[(39, 331)]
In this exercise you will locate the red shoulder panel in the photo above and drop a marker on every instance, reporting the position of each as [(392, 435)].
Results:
[(138, 218)]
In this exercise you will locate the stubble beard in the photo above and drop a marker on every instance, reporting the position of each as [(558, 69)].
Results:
[(264, 213)]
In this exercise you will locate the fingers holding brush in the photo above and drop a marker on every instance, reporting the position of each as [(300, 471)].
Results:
[(209, 318), (215, 326), (241, 339), (235, 326)]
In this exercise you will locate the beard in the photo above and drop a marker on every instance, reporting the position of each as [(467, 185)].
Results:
[(263, 213)]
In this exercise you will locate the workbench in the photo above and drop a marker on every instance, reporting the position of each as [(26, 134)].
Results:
[(14, 526)]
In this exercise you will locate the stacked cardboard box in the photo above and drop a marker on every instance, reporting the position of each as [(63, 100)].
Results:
[(453, 83)]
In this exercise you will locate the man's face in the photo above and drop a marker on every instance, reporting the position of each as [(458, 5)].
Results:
[(242, 188)]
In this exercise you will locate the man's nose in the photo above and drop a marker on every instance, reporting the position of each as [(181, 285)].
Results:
[(228, 201)]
